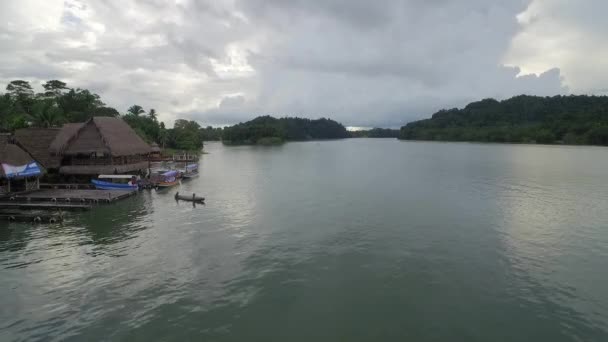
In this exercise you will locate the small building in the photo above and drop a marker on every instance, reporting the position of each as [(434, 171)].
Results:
[(18, 172), (102, 145)]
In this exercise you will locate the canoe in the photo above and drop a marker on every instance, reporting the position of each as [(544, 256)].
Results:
[(187, 198), (101, 185)]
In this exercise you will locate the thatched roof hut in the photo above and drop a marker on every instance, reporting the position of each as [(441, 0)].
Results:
[(36, 142), (103, 135), (100, 145)]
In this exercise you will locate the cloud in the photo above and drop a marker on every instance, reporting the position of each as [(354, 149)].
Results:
[(363, 63), (567, 35)]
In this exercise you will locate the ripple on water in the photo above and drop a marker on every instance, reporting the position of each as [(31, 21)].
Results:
[(325, 242)]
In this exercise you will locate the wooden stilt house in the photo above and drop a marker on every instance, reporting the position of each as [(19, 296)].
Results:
[(102, 145)]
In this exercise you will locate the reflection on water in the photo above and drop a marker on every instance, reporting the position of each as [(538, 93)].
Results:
[(356, 240)]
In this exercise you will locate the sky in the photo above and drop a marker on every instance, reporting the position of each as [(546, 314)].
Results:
[(364, 63)]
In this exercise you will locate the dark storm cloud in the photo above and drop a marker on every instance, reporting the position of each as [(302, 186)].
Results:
[(364, 63)]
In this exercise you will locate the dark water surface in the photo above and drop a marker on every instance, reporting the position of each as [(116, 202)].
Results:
[(355, 240)]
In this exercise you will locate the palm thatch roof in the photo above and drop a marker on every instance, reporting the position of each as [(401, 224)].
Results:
[(102, 169), (65, 133), (105, 135), (36, 142), (12, 154)]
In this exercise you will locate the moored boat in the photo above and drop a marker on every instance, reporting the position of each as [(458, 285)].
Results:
[(167, 180), (116, 182), (191, 171)]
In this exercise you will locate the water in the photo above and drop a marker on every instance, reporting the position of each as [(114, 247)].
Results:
[(355, 240)]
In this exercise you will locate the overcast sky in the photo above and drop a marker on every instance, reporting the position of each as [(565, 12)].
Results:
[(363, 63)]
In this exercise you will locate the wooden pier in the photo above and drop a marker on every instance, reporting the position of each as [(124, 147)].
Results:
[(43, 206), (72, 196)]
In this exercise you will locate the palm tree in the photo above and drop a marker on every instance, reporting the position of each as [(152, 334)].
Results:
[(136, 110), (152, 114), (46, 114)]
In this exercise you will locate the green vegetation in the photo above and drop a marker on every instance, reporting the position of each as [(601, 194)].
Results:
[(521, 119), (211, 134), (267, 129), (376, 133), (21, 107)]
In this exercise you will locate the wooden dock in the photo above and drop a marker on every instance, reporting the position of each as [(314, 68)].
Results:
[(72, 196), (63, 198), (43, 206)]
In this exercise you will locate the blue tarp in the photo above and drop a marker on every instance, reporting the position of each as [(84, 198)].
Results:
[(28, 170)]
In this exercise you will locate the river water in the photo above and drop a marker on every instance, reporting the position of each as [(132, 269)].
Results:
[(353, 240)]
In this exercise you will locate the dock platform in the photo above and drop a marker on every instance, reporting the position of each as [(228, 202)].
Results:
[(43, 206), (72, 196)]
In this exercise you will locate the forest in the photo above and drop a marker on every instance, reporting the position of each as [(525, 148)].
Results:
[(376, 133), (575, 120), (21, 107), (267, 130)]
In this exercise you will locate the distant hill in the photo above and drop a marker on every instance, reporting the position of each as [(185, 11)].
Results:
[(269, 130), (521, 119)]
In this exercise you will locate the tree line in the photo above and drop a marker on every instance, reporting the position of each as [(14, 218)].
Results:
[(270, 130), (21, 107), (571, 119), (375, 133)]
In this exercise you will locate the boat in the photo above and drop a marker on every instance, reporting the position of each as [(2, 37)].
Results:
[(192, 198), (167, 179), (116, 182), (191, 171)]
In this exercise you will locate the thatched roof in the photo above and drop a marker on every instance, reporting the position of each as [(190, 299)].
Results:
[(99, 135), (63, 137), (36, 142), (102, 169), (13, 155)]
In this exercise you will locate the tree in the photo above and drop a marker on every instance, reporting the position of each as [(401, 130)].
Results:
[(46, 113), (521, 119), (163, 136), (19, 89), (186, 135), (54, 88), (106, 111), (22, 94), (267, 127), (135, 110), (152, 114), (79, 105)]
